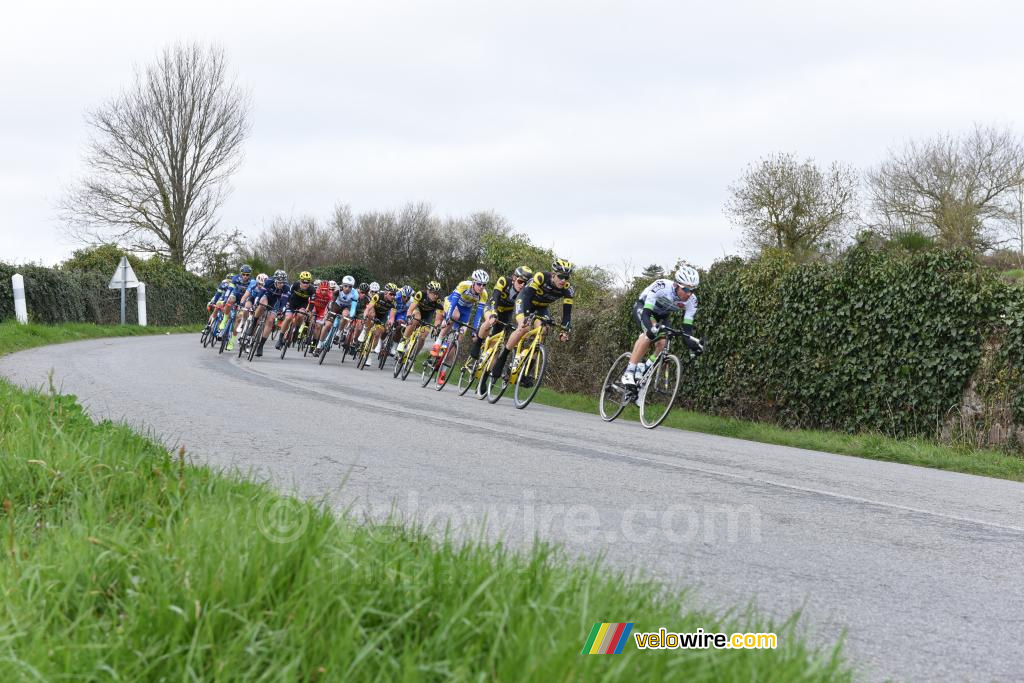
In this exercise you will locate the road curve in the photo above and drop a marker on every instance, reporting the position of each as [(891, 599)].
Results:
[(921, 568)]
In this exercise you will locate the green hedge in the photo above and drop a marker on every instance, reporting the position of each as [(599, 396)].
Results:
[(77, 291), (876, 340)]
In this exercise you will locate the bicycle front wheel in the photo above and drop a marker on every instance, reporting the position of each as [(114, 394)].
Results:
[(530, 377), (410, 357), (659, 391), (614, 396)]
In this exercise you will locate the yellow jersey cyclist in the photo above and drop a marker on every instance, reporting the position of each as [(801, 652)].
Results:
[(657, 302), (299, 299), (501, 307), (544, 289), (458, 307), (379, 310), (426, 306)]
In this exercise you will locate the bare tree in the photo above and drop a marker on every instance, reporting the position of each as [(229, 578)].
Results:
[(783, 203), (959, 190), (159, 158), (296, 244)]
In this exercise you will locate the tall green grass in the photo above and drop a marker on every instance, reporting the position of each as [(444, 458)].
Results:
[(121, 561)]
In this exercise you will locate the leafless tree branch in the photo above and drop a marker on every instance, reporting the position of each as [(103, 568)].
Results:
[(159, 158)]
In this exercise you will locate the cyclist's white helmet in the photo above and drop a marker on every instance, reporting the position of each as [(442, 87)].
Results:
[(333, 284), (480, 276), (374, 287), (261, 279), (348, 280), (687, 276), (316, 283)]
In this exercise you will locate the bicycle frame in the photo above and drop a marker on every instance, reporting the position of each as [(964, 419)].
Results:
[(489, 353), (526, 347)]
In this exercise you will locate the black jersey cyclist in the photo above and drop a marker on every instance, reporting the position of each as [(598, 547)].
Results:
[(426, 307), (544, 289), (501, 306), (300, 299)]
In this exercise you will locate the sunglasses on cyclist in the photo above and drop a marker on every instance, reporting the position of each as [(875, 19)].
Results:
[(688, 290), (306, 282)]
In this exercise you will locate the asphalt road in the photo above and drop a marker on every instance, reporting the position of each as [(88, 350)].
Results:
[(922, 569)]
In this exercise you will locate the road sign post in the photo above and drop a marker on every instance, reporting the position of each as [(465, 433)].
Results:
[(124, 277)]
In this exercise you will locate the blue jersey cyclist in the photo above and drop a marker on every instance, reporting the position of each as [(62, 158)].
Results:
[(275, 296), (220, 294), (253, 294), (234, 292), (459, 306)]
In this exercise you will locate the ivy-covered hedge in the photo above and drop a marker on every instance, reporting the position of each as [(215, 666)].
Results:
[(882, 341), (77, 291), (876, 340)]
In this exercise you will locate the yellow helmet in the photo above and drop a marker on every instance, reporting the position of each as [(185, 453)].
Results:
[(305, 276), (562, 267)]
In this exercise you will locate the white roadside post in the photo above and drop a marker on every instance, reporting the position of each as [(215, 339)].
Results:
[(124, 277), (142, 303), (20, 309)]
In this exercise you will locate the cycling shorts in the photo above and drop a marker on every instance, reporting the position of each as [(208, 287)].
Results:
[(638, 311)]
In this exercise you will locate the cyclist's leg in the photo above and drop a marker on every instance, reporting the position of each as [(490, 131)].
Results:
[(226, 309), (454, 314), (410, 329), (513, 339), (482, 333)]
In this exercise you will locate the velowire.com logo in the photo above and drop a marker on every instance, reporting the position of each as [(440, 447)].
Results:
[(607, 639)]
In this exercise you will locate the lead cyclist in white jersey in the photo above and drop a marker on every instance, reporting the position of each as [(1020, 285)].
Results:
[(661, 299)]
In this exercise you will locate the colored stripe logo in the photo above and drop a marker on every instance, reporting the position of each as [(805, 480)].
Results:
[(607, 639)]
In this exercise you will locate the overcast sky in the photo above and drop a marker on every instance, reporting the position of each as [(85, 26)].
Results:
[(609, 131)]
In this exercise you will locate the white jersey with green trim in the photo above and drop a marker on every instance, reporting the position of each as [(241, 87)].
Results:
[(660, 298)]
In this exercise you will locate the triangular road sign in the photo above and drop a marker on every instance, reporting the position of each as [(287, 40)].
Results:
[(123, 273)]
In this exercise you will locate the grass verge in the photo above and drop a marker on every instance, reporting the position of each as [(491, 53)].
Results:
[(16, 337), (122, 561), (984, 462)]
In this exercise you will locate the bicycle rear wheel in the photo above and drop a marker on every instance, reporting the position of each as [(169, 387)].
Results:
[(659, 391), (446, 364), (530, 377), (467, 376), (614, 396)]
